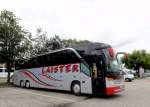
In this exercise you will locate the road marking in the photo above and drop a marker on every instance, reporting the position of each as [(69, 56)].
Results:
[(58, 98)]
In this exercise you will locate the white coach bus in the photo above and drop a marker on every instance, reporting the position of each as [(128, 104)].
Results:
[(79, 69)]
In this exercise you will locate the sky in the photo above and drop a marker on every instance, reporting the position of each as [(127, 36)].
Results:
[(124, 24)]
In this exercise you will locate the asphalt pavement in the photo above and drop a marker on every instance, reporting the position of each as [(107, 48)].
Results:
[(136, 94)]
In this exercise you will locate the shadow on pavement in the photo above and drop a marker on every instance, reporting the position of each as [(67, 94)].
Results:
[(101, 96), (86, 96)]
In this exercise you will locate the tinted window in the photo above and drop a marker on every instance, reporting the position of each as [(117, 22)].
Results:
[(85, 69), (51, 59), (32, 63), (62, 57), (1, 70), (21, 64)]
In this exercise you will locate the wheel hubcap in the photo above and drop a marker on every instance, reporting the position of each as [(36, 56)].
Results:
[(27, 84), (22, 84), (76, 88)]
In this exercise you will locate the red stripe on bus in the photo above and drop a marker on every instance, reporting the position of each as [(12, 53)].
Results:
[(47, 76), (51, 78), (30, 75), (39, 79)]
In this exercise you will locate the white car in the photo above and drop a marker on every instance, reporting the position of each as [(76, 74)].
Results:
[(128, 76), (4, 73)]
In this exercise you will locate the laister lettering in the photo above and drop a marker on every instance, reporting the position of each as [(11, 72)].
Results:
[(75, 68), (55, 69), (48, 70), (52, 69), (68, 67), (61, 68), (43, 71)]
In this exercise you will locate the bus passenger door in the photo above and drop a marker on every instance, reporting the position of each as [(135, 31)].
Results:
[(98, 77), (85, 77)]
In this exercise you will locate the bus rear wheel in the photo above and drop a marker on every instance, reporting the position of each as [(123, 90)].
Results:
[(21, 83), (27, 84), (76, 89)]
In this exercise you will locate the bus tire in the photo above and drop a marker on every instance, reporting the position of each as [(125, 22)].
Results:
[(21, 83), (27, 84), (76, 88)]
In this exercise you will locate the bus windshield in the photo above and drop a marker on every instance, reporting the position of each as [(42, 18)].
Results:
[(113, 67)]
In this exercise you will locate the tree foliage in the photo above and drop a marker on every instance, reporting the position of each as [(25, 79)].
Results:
[(42, 44), (14, 40), (139, 58), (72, 42)]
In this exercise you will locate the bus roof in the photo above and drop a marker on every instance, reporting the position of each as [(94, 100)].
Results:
[(53, 51), (88, 48)]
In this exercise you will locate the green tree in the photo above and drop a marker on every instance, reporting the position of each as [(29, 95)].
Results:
[(72, 42), (14, 40), (55, 43), (139, 58), (43, 44), (40, 42)]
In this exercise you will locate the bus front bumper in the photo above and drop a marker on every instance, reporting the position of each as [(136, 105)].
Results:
[(114, 89)]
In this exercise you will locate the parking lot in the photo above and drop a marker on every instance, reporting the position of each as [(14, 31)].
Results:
[(137, 94)]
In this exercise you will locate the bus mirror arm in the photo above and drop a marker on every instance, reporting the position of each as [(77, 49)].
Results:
[(125, 57), (122, 53)]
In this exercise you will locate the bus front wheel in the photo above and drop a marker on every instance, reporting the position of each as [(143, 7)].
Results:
[(76, 89)]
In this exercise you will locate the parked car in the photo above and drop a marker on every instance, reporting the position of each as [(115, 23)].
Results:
[(131, 71), (146, 73), (4, 73), (128, 76)]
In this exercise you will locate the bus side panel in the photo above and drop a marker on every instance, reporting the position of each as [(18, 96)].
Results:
[(62, 79), (69, 77), (18, 77), (31, 75), (36, 78), (45, 77)]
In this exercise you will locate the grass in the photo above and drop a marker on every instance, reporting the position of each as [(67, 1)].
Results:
[(3, 80), (3, 83)]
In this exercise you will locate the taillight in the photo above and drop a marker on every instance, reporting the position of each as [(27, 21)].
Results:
[(111, 52)]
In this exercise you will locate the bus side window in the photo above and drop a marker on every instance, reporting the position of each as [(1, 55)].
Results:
[(24, 64), (1, 70), (34, 63), (85, 69), (42, 61)]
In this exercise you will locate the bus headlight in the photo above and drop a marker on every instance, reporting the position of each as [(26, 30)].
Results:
[(109, 81)]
